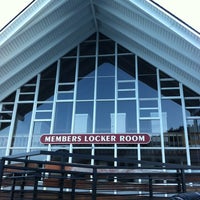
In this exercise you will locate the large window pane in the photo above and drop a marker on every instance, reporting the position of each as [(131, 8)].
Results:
[(151, 127), (171, 156), (22, 124), (173, 122), (195, 156), (147, 80), (40, 128), (47, 83), (103, 116), (85, 89), (126, 117), (105, 88), (67, 70), (83, 117), (63, 117), (126, 67), (193, 126), (151, 155)]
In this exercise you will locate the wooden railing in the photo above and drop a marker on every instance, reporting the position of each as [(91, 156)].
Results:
[(23, 177)]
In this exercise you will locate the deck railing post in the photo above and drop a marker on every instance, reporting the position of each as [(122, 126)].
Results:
[(183, 180), (94, 183), (2, 163), (73, 189), (178, 179), (150, 187), (36, 179)]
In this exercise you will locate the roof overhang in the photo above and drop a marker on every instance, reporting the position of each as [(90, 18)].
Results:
[(48, 29)]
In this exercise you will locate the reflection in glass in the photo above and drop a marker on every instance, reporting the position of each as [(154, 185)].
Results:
[(147, 79), (47, 83), (105, 88), (150, 126), (103, 116), (67, 70), (43, 115), (171, 156), (22, 125), (193, 126), (128, 109), (63, 117), (2, 152), (40, 128), (83, 117), (195, 156), (85, 89), (126, 67), (174, 135), (151, 155), (44, 106)]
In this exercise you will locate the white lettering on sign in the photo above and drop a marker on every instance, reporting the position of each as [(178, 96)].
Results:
[(100, 138), (134, 138), (109, 138)]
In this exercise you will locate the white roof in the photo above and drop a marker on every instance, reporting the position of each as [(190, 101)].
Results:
[(47, 29)]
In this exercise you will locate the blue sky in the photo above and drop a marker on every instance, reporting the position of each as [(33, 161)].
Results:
[(187, 10)]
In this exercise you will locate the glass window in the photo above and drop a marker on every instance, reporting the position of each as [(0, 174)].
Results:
[(103, 116), (192, 107), (121, 49), (127, 153), (193, 126), (106, 70), (106, 46), (67, 70), (173, 121), (83, 117), (5, 123), (106, 81), (43, 115), (194, 155), (86, 67), (10, 98), (150, 126), (2, 152), (44, 106), (148, 108), (72, 52), (85, 89), (180, 154), (126, 120), (40, 128), (104, 151), (126, 67), (27, 88), (65, 91), (147, 79), (153, 155), (88, 48), (63, 117), (47, 83), (22, 125), (105, 88)]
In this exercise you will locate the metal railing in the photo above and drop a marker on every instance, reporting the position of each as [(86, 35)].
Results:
[(27, 176)]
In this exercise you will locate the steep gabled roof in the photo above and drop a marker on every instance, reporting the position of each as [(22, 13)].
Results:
[(49, 29)]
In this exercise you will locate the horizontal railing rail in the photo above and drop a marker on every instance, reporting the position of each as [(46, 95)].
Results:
[(27, 176)]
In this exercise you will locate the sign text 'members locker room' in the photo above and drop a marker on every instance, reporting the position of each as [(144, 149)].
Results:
[(130, 138)]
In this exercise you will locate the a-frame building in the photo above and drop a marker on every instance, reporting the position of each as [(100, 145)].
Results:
[(101, 66)]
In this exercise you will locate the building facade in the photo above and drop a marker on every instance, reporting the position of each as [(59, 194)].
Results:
[(101, 67), (101, 87)]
